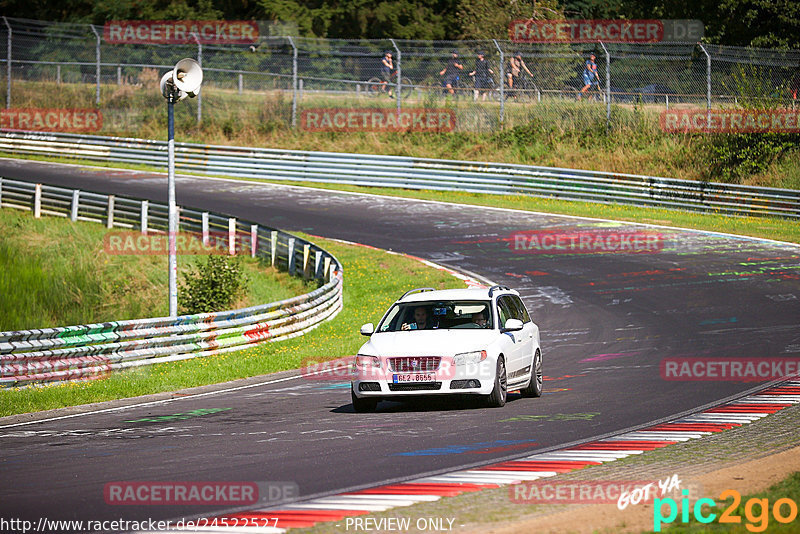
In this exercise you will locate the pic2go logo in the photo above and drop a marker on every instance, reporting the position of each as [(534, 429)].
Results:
[(757, 521)]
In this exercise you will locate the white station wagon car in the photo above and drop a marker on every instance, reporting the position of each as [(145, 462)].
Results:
[(449, 342)]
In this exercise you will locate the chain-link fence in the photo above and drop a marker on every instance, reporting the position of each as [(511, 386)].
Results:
[(281, 82)]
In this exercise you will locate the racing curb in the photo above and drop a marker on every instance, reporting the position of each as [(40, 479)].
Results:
[(725, 416)]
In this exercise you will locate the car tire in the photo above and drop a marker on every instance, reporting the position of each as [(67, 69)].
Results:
[(365, 405), (534, 387), (497, 398)]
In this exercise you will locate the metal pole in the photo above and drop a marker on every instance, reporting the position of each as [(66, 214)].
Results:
[(199, 95), (708, 75), (97, 68), (8, 65), (294, 82), (399, 76), (502, 83), (173, 211), (608, 86)]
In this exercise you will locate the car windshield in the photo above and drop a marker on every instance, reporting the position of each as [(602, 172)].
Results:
[(437, 315)]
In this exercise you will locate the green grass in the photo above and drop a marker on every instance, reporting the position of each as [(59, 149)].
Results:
[(373, 280), (56, 273), (561, 133), (752, 517)]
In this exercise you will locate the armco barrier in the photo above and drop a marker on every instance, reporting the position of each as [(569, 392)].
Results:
[(90, 351), (418, 173)]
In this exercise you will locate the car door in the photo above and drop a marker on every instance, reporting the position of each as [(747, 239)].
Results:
[(528, 333), (514, 352)]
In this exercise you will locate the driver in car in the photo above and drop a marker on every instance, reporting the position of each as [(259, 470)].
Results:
[(421, 320), (479, 318)]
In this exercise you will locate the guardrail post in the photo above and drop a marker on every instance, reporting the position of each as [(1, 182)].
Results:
[(318, 265), (502, 84), (253, 240), (37, 201), (273, 246), (76, 196), (327, 268), (8, 64), (232, 236), (292, 263), (204, 230), (97, 59), (143, 219), (110, 218), (306, 257)]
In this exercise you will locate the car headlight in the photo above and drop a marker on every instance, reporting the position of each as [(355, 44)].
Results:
[(368, 362), (470, 358)]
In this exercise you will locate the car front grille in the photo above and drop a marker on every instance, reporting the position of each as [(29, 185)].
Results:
[(414, 364), (416, 386)]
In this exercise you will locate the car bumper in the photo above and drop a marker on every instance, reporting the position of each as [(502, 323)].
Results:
[(477, 379)]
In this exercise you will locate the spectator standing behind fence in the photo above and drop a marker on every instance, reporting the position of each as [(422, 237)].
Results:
[(515, 67), (590, 76), (483, 76), (387, 66), (451, 72)]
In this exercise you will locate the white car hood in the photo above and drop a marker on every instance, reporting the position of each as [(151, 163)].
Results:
[(428, 342)]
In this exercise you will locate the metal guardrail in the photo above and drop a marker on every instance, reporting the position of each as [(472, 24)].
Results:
[(418, 173), (94, 350)]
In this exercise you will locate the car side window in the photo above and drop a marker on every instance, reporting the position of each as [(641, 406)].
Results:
[(505, 309), (522, 312)]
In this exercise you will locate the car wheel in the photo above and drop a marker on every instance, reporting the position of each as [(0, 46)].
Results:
[(363, 405), (497, 398), (534, 387)]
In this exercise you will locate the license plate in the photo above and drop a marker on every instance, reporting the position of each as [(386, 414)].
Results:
[(414, 377)]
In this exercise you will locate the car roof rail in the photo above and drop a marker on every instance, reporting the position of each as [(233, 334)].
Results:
[(496, 288), (418, 290)]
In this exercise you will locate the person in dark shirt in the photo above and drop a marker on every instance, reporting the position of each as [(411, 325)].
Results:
[(590, 76), (483, 76), (452, 72)]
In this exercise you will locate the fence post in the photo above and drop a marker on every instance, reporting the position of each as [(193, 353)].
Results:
[(110, 218), (1, 192), (97, 59), (143, 220), (58, 74), (37, 201), (199, 94), (119, 74), (294, 84), (399, 76), (608, 86), (76, 196), (292, 263), (8, 64), (204, 227), (502, 84), (273, 246), (232, 236), (708, 76), (253, 240)]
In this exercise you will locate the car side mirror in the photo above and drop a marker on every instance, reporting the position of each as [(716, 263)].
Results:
[(513, 325), (368, 329)]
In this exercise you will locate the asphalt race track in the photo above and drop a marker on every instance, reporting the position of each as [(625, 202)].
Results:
[(607, 322)]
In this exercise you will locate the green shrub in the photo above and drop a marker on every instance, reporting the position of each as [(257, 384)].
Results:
[(212, 286)]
